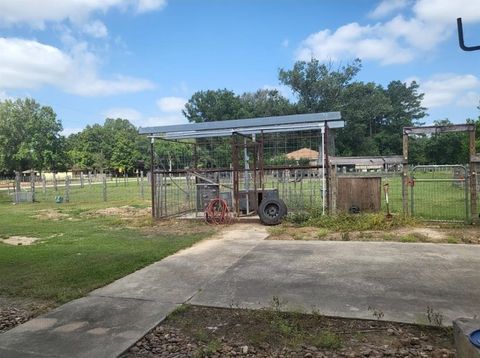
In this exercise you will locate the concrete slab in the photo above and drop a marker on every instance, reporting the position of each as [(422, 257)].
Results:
[(87, 327), (180, 276), (346, 278)]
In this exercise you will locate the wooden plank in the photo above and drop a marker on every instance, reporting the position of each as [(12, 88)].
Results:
[(439, 129), (362, 192)]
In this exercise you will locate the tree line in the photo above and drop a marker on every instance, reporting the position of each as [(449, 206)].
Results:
[(30, 134)]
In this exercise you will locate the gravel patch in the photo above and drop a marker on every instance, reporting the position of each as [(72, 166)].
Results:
[(210, 332)]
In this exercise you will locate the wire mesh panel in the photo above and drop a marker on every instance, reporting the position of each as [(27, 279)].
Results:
[(300, 189), (439, 193)]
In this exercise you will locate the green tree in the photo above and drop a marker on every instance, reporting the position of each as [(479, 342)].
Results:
[(210, 106), (115, 146), (318, 86), (265, 103), (29, 136)]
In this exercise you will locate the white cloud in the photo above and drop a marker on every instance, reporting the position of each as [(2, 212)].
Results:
[(140, 120), (446, 11), (171, 104), (96, 29), (150, 5), (164, 120), (353, 40), (36, 13), (399, 40), (387, 7), (26, 64), (449, 89), (123, 112)]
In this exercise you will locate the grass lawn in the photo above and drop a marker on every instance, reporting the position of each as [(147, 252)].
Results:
[(79, 250)]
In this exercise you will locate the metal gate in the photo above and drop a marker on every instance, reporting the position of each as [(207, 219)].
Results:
[(439, 192)]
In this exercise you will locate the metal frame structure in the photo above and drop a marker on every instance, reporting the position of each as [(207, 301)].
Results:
[(474, 159), (252, 132)]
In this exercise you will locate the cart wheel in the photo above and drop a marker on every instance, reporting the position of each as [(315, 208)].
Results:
[(272, 211)]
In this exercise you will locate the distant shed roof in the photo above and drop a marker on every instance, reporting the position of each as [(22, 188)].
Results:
[(303, 153)]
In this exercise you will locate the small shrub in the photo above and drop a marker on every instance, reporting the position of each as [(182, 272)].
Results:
[(413, 237), (327, 340), (277, 230), (322, 233), (452, 240), (434, 318), (377, 313), (345, 236), (346, 222), (298, 218)]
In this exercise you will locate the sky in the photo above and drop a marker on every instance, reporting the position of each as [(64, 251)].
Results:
[(143, 59)]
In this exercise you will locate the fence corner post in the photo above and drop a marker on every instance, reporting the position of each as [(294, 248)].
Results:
[(473, 177), (405, 173)]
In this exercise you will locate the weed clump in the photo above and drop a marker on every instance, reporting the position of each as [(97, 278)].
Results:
[(348, 222)]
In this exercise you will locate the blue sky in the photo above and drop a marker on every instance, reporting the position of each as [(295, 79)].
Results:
[(142, 59)]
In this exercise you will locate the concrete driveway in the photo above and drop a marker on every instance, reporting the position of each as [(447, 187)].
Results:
[(240, 268), (345, 279)]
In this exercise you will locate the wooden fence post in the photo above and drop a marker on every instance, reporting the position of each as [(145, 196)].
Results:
[(67, 189), (18, 187), (104, 188), (32, 184), (55, 186), (142, 191), (44, 185), (81, 180)]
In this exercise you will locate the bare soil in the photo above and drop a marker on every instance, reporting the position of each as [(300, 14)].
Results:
[(124, 212), (50, 214), (195, 331), (438, 234), (19, 240)]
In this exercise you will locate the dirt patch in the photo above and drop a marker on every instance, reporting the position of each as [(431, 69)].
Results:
[(20, 240), (124, 212), (210, 332), (468, 235), (50, 214), (174, 226), (15, 311)]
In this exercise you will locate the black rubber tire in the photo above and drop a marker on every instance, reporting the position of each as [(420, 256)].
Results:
[(272, 211)]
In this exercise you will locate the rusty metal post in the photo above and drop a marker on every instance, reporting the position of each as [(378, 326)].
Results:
[(405, 174), (261, 161), (473, 177), (235, 175)]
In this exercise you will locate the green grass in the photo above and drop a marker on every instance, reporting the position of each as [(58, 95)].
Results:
[(345, 222), (77, 254)]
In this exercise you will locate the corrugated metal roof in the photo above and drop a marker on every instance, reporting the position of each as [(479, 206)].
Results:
[(239, 125)]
